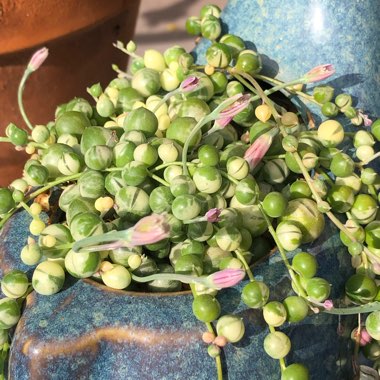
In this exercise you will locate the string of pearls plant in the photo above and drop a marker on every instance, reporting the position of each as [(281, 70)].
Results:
[(177, 174)]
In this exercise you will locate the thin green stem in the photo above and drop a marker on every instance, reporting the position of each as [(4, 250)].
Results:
[(7, 216), (283, 253), (322, 173), (166, 164), (114, 169), (184, 278), (371, 159), (38, 145), (305, 173), (266, 158), (38, 192), (121, 73), (124, 50), (3, 358), (159, 179), (307, 177), (372, 192), (277, 82), (367, 308), (60, 246), (193, 132), (218, 361), (27, 209), (20, 91), (260, 92), (231, 179), (246, 266), (49, 185), (165, 99), (281, 361), (211, 116), (5, 139), (366, 252)]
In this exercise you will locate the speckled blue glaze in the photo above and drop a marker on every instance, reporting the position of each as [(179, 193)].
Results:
[(294, 36), (89, 332)]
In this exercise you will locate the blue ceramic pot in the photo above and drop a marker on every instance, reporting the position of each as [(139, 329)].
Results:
[(294, 36), (87, 331)]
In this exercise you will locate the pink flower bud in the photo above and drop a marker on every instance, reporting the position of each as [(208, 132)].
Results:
[(364, 338), (319, 73), (208, 337), (366, 120), (328, 304), (225, 278), (148, 230), (220, 341), (222, 123), (224, 118), (241, 102), (212, 215), (38, 59), (258, 149), (189, 84)]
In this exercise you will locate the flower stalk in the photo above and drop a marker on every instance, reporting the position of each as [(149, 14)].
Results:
[(211, 216), (34, 64), (148, 230), (227, 109), (255, 153), (189, 84), (219, 280)]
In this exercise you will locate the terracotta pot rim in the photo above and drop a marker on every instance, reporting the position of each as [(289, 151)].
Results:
[(72, 30)]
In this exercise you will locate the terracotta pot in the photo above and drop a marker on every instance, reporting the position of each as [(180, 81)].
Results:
[(79, 36)]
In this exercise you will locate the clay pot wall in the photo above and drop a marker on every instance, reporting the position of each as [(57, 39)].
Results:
[(79, 35)]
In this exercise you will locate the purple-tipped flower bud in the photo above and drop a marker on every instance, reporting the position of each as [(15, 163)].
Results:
[(241, 102), (149, 230), (225, 116), (258, 149), (366, 120), (38, 59), (364, 337), (189, 84), (328, 304), (225, 278), (212, 215), (319, 73)]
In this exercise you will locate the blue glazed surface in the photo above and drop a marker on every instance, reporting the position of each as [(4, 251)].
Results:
[(294, 36), (88, 332)]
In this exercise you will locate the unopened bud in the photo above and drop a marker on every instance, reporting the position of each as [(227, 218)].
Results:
[(131, 46), (263, 112), (213, 350), (343, 101), (323, 94), (208, 337), (48, 241)]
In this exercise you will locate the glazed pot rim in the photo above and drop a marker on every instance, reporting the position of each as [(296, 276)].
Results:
[(103, 287)]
